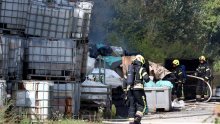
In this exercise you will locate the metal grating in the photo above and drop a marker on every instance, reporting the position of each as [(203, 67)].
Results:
[(3, 59), (49, 21), (13, 13), (57, 58), (55, 19), (81, 22), (66, 98), (15, 56), (43, 100)]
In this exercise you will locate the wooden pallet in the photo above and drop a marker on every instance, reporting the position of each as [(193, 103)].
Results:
[(50, 77), (10, 29), (11, 32), (15, 77)]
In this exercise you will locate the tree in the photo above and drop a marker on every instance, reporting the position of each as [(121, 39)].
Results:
[(164, 28), (210, 16)]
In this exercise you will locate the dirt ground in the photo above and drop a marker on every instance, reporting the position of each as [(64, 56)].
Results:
[(192, 113)]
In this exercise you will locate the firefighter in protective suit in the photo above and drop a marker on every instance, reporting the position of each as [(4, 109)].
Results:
[(204, 72), (180, 74), (135, 87)]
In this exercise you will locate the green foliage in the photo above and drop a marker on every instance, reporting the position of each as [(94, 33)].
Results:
[(210, 16), (217, 120), (216, 66), (12, 116), (72, 122), (166, 28), (2, 114), (113, 111), (150, 51)]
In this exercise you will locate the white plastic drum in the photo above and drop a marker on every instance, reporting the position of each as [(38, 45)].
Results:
[(36, 97)]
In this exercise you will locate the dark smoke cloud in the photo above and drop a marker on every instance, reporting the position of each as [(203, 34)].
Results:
[(102, 13)]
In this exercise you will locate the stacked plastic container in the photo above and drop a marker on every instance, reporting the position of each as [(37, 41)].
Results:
[(3, 59), (45, 57), (158, 98), (13, 13), (81, 22), (15, 56), (57, 19), (41, 41), (46, 21)]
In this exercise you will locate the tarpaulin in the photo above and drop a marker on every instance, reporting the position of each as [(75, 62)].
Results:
[(93, 51), (111, 77), (162, 83), (112, 61), (117, 51), (105, 51), (150, 84), (90, 64)]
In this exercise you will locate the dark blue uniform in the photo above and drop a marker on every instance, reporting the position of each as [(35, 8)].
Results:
[(180, 75), (204, 72), (136, 94)]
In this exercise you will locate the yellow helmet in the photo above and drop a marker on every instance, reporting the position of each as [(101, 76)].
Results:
[(176, 62), (202, 58), (140, 58)]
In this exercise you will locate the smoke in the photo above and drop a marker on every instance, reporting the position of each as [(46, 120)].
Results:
[(102, 13)]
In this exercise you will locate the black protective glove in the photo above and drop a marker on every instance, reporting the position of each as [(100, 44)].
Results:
[(125, 98)]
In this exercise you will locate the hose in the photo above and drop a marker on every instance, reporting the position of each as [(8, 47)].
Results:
[(210, 89)]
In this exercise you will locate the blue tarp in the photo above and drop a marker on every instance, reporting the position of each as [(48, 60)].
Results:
[(100, 45), (99, 49), (93, 51), (149, 84), (111, 59), (162, 83), (104, 50)]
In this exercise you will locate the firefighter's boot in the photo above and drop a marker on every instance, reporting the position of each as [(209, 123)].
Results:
[(137, 119)]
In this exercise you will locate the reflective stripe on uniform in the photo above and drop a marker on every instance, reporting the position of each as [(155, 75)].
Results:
[(144, 74), (143, 98), (207, 69), (130, 119), (140, 71), (179, 73), (139, 113), (139, 86), (128, 87), (202, 67)]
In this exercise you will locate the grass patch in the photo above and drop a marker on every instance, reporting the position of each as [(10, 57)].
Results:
[(12, 118), (9, 115), (67, 121), (217, 121)]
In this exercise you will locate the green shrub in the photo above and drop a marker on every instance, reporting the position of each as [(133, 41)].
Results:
[(216, 66)]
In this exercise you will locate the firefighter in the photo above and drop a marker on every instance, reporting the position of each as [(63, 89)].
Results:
[(203, 71), (180, 78), (136, 95)]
